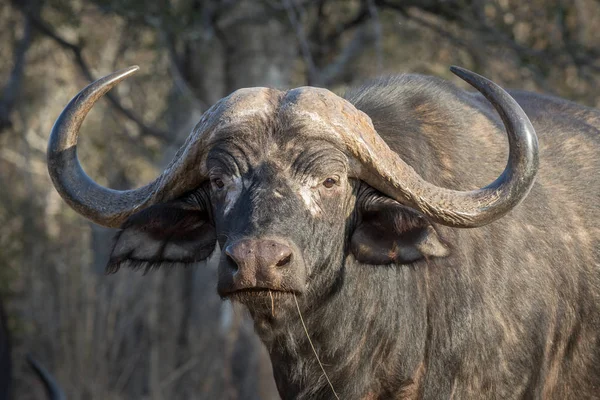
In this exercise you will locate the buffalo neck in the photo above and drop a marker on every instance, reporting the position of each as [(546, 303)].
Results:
[(371, 313)]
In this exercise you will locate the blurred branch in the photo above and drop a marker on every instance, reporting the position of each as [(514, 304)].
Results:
[(13, 86), (362, 15), (37, 167), (290, 8), (316, 46), (181, 83), (324, 44), (476, 21), (580, 56), (378, 31), (338, 66), (44, 28), (178, 373), (166, 36), (485, 32), (278, 5), (477, 51)]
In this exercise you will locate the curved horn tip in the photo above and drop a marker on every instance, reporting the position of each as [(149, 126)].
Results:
[(472, 78), (460, 71), (128, 71), (455, 69), (115, 77)]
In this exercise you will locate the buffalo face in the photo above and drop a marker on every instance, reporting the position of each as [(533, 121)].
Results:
[(279, 210), (285, 214)]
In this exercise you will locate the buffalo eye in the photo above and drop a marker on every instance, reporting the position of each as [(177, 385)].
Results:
[(329, 182), (218, 183)]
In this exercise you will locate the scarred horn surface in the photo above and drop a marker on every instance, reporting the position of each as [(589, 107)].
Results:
[(110, 207), (375, 163)]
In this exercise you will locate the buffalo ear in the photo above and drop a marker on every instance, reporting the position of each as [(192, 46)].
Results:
[(164, 234), (388, 232)]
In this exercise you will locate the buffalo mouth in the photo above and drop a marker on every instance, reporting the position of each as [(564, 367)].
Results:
[(263, 300), (258, 292)]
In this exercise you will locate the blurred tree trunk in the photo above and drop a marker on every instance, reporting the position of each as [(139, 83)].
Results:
[(259, 53)]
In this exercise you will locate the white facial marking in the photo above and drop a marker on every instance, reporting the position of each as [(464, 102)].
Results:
[(277, 194), (234, 189), (310, 198)]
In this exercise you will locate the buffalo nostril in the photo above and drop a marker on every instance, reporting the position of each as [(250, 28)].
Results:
[(255, 254), (284, 261), (230, 254)]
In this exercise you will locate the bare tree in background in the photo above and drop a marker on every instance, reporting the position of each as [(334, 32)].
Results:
[(166, 334)]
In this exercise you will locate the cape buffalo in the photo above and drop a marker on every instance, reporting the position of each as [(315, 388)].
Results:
[(340, 220)]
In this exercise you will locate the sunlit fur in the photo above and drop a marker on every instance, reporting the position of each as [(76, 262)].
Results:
[(510, 310)]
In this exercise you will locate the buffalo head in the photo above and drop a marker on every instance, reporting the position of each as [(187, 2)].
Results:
[(288, 183)]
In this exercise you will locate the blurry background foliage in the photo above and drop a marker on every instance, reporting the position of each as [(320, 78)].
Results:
[(167, 335)]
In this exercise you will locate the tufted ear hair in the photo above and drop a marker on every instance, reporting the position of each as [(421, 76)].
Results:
[(165, 234), (388, 232)]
